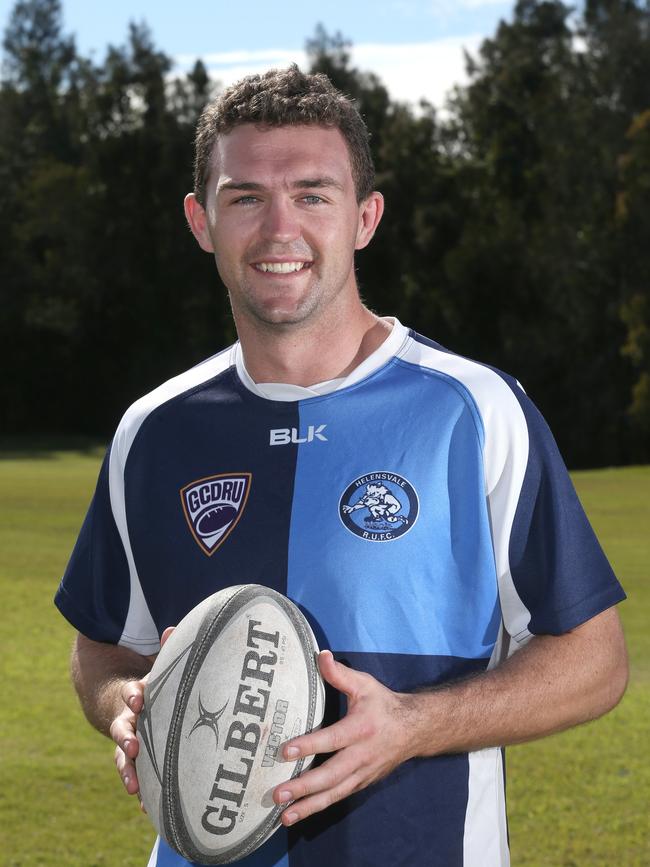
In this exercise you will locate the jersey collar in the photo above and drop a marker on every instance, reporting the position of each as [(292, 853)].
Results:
[(285, 391)]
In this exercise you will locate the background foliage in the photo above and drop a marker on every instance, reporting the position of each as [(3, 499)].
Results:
[(516, 232)]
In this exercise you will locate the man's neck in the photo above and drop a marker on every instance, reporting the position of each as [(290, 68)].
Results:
[(305, 356)]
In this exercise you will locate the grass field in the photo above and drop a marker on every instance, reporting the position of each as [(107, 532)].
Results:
[(575, 800)]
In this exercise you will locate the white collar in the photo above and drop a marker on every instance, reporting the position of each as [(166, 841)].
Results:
[(285, 391)]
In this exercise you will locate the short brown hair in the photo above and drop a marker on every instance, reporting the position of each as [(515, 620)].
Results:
[(282, 97)]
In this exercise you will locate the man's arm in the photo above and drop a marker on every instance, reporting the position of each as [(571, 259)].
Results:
[(552, 683), (109, 682)]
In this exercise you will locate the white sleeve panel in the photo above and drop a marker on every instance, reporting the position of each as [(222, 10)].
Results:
[(505, 457), (485, 843), (140, 632)]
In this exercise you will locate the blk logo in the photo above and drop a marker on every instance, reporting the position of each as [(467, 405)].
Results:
[(283, 436)]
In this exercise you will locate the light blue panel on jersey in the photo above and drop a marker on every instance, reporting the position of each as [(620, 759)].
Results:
[(273, 853), (390, 546)]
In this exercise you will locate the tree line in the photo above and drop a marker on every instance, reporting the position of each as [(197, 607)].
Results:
[(517, 227)]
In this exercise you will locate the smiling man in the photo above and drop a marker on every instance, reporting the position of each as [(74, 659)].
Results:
[(282, 216), (411, 501)]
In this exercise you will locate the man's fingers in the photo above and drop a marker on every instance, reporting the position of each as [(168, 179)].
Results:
[(122, 731), (126, 770), (166, 633), (328, 740), (342, 733), (308, 806), (366, 744), (133, 695), (347, 680), (317, 789), (327, 776)]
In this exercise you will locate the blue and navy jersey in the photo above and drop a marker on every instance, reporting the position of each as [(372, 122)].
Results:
[(419, 514)]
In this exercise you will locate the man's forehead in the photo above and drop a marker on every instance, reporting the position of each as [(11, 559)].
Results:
[(307, 150)]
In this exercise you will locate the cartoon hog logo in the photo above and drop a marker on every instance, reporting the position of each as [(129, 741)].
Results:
[(379, 507)]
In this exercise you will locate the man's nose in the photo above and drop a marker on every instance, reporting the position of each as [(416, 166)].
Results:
[(280, 221)]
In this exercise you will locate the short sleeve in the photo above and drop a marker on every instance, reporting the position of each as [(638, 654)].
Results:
[(95, 590), (558, 567)]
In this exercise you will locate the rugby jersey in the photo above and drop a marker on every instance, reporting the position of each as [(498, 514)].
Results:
[(418, 512)]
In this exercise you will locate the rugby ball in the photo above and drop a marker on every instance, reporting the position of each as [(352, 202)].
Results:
[(236, 679)]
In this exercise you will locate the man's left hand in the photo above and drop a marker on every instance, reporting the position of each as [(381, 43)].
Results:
[(373, 738)]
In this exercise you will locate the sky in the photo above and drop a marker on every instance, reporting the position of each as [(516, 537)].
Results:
[(414, 46)]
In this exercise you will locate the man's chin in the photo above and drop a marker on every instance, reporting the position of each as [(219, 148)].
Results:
[(280, 316), (282, 320)]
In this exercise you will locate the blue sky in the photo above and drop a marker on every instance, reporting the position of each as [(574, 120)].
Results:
[(415, 46)]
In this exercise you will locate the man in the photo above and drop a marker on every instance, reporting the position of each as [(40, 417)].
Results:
[(480, 547)]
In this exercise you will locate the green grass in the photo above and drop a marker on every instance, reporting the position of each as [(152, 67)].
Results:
[(579, 798), (61, 802)]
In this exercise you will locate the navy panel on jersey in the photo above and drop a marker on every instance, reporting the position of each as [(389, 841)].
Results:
[(389, 816), (94, 592), (557, 564), (180, 444), (387, 823)]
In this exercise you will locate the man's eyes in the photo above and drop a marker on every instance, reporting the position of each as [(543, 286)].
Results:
[(309, 199)]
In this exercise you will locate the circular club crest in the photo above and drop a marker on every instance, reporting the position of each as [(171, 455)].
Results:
[(379, 507)]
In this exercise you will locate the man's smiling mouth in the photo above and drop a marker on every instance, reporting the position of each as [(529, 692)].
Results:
[(281, 267)]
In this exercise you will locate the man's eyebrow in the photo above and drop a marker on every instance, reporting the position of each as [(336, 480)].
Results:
[(303, 184), (239, 185), (311, 183)]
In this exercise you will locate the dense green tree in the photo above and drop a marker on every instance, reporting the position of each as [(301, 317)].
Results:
[(36, 159), (102, 293), (39, 64), (633, 220), (536, 269), (516, 228)]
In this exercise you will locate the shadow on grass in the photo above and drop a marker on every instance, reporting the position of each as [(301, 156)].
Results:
[(44, 446)]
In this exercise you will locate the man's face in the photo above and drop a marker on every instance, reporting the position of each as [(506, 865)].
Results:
[(282, 219)]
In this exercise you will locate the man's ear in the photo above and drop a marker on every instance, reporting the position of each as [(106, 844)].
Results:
[(370, 213), (198, 220)]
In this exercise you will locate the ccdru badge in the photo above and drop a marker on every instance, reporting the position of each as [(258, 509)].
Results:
[(379, 507), (213, 506)]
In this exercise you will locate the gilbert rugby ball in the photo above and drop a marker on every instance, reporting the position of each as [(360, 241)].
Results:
[(236, 679)]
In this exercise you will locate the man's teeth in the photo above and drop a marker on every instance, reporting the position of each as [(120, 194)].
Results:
[(280, 267)]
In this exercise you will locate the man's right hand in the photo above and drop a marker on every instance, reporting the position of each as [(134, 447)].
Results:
[(123, 732), (110, 682)]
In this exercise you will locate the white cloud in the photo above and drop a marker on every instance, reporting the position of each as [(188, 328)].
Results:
[(410, 71), (421, 70), (272, 56)]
